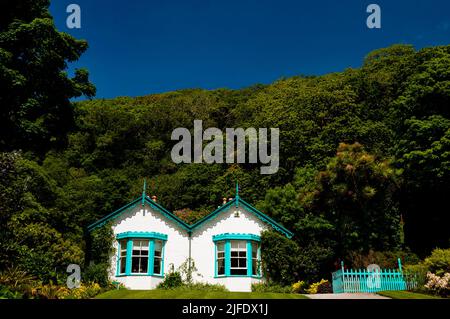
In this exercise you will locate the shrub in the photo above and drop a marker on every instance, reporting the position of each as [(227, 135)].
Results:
[(313, 288), (325, 288), (51, 291), (17, 282), (270, 287), (187, 270), (6, 293), (438, 262), (171, 280), (416, 273), (85, 291), (97, 273), (299, 287)]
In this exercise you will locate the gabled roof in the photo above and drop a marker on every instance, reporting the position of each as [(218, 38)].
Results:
[(140, 200), (189, 228), (239, 201)]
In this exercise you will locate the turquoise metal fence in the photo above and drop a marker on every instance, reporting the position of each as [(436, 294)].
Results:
[(363, 280)]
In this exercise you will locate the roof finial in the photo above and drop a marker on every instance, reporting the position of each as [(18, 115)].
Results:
[(143, 191), (237, 193)]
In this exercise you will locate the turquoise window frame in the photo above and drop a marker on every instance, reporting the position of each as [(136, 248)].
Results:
[(226, 239), (161, 274), (119, 256), (151, 237)]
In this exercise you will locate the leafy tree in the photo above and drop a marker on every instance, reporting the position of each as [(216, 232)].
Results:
[(357, 195), (30, 237), (36, 111), (279, 258), (424, 156)]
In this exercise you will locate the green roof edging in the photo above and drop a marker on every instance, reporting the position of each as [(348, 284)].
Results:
[(133, 204)]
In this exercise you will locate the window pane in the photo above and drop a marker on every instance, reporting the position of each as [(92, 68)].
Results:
[(221, 267), (242, 254), (234, 262), (234, 254), (144, 265), (158, 248), (242, 263), (255, 250), (220, 246), (140, 244), (255, 270), (157, 266), (238, 245), (122, 265), (238, 271), (157, 260), (135, 264)]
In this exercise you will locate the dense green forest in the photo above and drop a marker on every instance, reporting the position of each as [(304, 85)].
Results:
[(364, 153)]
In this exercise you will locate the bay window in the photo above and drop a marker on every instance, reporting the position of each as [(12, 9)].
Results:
[(140, 253), (237, 255)]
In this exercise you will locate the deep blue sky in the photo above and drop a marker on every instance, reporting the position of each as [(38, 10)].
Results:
[(139, 47)]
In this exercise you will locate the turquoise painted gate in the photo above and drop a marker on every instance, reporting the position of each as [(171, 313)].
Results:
[(362, 280)]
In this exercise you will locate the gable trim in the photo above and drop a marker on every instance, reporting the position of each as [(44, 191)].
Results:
[(134, 204), (251, 209), (190, 228)]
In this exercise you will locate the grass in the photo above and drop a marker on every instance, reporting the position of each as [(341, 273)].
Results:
[(406, 295), (192, 294)]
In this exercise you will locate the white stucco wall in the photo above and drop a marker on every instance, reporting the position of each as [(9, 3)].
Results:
[(146, 219), (202, 245)]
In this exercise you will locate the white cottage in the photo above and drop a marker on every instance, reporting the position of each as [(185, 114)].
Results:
[(224, 245)]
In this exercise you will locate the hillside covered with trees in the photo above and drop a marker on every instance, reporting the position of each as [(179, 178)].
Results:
[(364, 154)]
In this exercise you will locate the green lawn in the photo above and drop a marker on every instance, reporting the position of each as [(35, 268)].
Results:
[(406, 295), (192, 294)]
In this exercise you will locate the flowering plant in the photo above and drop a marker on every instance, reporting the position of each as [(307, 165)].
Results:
[(437, 284)]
